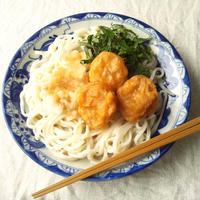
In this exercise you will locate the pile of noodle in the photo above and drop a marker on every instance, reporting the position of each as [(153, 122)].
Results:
[(62, 130)]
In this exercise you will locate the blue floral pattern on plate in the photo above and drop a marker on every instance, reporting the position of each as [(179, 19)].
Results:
[(17, 75)]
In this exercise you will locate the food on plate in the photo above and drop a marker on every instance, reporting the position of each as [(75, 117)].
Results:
[(109, 69), (78, 100), (96, 104), (138, 98), (62, 81), (134, 50)]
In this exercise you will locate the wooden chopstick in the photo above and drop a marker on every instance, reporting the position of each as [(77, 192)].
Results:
[(154, 143)]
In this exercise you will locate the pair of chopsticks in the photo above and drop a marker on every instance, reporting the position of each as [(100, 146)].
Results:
[(154, 143)]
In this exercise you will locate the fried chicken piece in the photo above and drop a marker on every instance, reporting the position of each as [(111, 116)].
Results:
[(96, 104), (108, 68), (138, 98)]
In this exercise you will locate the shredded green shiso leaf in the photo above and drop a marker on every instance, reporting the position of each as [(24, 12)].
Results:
[(122, 41)]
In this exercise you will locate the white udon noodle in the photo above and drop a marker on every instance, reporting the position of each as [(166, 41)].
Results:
[(66, 135)]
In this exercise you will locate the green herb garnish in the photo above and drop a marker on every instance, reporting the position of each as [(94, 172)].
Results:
[(122, 41)]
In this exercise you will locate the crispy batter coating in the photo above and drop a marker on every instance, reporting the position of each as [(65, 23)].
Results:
[(138, 98), (96, 104), (108, 68)]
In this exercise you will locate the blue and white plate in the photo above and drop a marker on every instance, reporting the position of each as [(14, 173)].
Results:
[(177, 81)]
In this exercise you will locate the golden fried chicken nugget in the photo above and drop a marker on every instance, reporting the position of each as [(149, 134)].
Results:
[(138, 98), (108, 68), (96, 104)]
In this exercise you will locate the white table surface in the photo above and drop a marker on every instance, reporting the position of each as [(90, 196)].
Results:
[(176, 176)]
